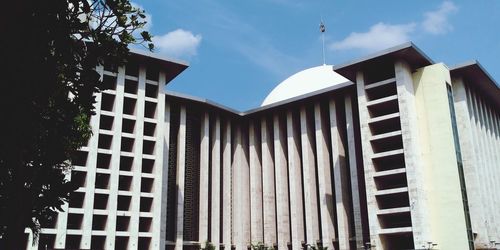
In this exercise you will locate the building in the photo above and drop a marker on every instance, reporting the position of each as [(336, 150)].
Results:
[(391, 151)]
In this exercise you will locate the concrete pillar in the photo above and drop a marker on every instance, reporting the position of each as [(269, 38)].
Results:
[(269, 211), (241, 199), (295, 180), (181, 165), (353, 168), (204, 182), (465, 137), (138, 155), (226, 185), (162, 168), (281, 180), (340, 173), (257, 226), (368, 167), (309, 179), (88, 205), (326, 196), (478, 152), (414, 167), (216, 181)]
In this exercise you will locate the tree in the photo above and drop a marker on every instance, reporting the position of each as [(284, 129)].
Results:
[(50, 50)]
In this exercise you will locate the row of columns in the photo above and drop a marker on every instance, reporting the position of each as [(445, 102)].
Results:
[(273, 174)]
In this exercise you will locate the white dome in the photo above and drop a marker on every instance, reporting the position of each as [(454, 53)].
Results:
[(303, 82)]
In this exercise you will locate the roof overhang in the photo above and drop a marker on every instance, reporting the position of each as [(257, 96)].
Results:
[(407, 52), (171, 67), (474, 74)]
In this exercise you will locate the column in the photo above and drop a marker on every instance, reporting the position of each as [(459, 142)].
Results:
[(268, 185), (204, 174), (353, 168), (341, 176), (181, 164), (257, 226), (216, 181), (309, 179), (226, 186), (281, 173), (414, 166), (162, 166), (241, 200), (326, 196), (295, 180)]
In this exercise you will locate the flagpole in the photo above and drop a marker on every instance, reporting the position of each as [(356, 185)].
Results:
[(322, 29)]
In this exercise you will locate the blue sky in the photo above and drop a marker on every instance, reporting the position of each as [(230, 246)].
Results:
[(239, 51)]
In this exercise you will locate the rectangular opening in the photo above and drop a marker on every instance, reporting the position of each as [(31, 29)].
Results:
[(151, 90), (79, 158), (384, 108), (149, 129), (150, 110), (398, 241), (76, 199), (393, 200), (98, 242), (389, 162), (105, 141), (100, 201), (75, 221), (123, 203), (99, 222), (147, 185), (129, 105), (152, 73), (103, 160), (73, 241), (107, 102), (395, 220), (106, 122), (125, 183), (391, 181), (144, 224), (109, 82), (385, 126), (131, 86), (144, 243), (46, 241), (128, 126), (127, 144), (387, 144), (50, 223), (381, 91), (79, 178), (148, 147), (126, 163), (121, 242), (148, 165), (132, 68), (102, 181), (146, 204), (383, 71), (122, 223)]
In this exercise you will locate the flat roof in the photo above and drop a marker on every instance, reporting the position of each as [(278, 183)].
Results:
[(407, 51), (475, 75), (171, 67)]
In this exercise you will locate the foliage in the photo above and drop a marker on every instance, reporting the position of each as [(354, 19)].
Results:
[(260, 246), (50, 50), (317, 246), (208, 246)]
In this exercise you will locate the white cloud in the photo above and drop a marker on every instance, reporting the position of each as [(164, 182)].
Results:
[(380, 36), (178, 43), (436, 22)]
